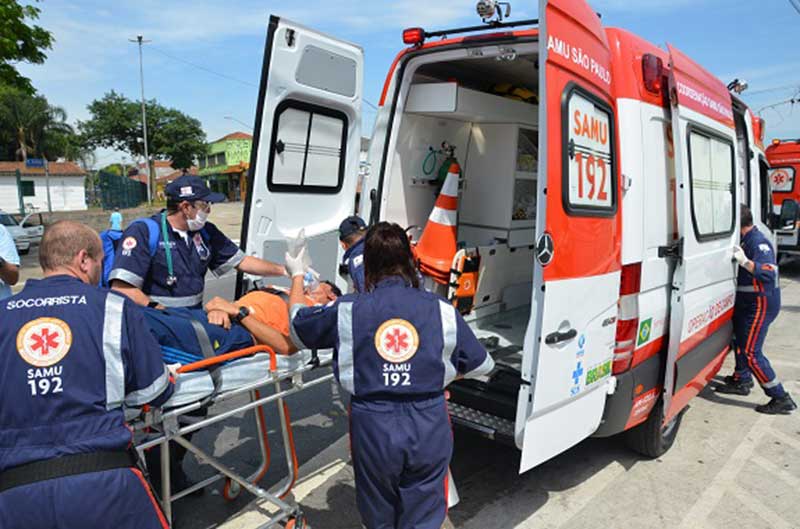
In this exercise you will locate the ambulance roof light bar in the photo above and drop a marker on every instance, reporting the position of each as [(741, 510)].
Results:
[(412, 35)]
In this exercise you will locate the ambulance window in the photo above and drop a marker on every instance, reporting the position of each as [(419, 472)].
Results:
[(307, 152), (590, 182), (712, 184), (782, 179)]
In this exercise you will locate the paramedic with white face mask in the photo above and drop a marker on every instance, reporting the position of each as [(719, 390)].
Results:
[(163, 260)]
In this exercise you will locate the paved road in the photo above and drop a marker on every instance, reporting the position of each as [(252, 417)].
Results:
[(730, 466)]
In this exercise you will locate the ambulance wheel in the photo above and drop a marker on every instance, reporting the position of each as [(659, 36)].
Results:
[(652, 438), (231, 490)]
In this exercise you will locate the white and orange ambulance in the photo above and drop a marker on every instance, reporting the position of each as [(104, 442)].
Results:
[(596, 213), (783, 156)]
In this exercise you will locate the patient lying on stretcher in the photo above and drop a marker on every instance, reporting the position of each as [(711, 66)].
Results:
[(201, 331)]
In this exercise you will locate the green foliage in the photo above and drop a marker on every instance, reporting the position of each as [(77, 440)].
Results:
[(30, 127), (116, 124), (20, 42)]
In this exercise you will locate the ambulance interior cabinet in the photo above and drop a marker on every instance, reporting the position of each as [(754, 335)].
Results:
[(498, 199)]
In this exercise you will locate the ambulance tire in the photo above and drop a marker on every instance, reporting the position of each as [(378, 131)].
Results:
[(650, 438)]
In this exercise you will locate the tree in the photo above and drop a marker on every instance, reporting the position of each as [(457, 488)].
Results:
[(20, 42), (31, 127), (116, 123)]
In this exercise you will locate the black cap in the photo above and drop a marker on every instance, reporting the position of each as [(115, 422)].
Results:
[(351, 225), (188, 187)]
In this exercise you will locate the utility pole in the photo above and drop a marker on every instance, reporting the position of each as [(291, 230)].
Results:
[(47, 183), (139, 39)]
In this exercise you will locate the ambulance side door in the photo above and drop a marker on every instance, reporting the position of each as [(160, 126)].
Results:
[(703, 286), (305, 158), (569, 343)]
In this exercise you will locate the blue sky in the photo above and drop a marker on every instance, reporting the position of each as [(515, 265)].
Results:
[(756, 41)]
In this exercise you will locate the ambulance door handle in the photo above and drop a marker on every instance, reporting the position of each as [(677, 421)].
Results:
[(558, 336)]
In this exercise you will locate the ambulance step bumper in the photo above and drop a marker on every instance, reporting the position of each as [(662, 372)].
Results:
[(486, 424)]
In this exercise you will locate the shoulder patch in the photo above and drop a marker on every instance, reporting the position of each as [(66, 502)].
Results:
[(129, 243), (44, 341), (397, 340), (764, 247)]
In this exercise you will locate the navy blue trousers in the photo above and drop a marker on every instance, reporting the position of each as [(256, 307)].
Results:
[(751, 321), (117, 498), (172, 327), (401, 451)]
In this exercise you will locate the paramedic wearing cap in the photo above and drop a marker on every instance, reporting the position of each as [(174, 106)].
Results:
[(70, 355), (351, 235), (758, 301), (171, 272), (396, 348)]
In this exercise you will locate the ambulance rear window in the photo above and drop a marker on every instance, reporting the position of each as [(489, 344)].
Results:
[(712, 184), (782, 179), (590, 183), (308, 147)]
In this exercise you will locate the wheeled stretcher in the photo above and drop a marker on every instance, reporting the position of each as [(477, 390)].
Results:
[(203, 381)]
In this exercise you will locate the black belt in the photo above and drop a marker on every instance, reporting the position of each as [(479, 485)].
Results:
[(64, 466)]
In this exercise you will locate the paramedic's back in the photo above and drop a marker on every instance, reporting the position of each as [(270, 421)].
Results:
[(70, 354)]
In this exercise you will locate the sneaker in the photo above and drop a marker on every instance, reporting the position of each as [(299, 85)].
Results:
[(735, 387), (778, 405)]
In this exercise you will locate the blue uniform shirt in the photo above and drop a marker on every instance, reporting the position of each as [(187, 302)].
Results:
[(394, 341), (70, 355), (210, 250), (8, 251), (354, 260), (764, 279)]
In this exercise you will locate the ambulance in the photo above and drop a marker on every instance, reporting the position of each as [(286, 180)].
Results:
[(783, 157), (598, 206)]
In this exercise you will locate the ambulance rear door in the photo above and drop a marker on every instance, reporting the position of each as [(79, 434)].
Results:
[(307, 138), (569, 343), (703, 285)]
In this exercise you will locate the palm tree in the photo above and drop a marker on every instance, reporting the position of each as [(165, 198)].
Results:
[(37, 127)]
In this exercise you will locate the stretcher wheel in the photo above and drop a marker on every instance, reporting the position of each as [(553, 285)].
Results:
[(231, 490), (297, 523)]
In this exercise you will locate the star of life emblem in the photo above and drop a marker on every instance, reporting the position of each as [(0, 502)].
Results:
[(129, 243), (396, 340), (44, 341)]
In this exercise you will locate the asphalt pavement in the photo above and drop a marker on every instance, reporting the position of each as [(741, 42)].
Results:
[(730, 467)]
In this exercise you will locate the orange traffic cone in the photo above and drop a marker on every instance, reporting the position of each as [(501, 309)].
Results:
[(437, 245)]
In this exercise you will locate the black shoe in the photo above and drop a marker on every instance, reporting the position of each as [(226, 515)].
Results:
[(731, 379), (735, 387), (783, 405)]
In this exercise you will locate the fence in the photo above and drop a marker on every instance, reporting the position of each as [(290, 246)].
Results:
[(118, 191)]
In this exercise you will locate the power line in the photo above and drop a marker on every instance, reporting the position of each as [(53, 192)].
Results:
[(200, 67), (225, 76), (796, 84)]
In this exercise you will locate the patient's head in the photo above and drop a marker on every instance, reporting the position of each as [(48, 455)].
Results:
[(324, 293)]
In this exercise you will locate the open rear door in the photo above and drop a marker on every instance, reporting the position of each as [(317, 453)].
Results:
[(570, 339), (703, 287), (304, 165)]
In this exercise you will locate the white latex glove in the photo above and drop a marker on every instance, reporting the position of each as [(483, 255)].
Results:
[(739, 255), (173, 369), (295, 264)]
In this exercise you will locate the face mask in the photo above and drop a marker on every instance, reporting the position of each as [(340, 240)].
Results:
[(197, 223)]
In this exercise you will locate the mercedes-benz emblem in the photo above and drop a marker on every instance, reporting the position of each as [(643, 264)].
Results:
[(544, 249)]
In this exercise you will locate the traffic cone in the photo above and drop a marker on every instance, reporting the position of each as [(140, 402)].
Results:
[(437, 245)]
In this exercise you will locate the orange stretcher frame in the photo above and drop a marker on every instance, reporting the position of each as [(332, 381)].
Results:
[(166, 423)]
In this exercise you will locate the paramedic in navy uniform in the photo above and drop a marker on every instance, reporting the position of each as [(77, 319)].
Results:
[(195, 246), (70, 355), (758, 301), (351, 235), (396, 349)]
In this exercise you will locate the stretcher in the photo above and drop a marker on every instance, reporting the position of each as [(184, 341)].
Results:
[(205, 381)]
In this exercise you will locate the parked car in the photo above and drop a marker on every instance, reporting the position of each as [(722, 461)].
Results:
[(21, 238), (34, 231)]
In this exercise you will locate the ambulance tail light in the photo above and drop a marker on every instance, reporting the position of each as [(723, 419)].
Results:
[(414, 36), (652, 72), (759, 132), (628, 317)]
